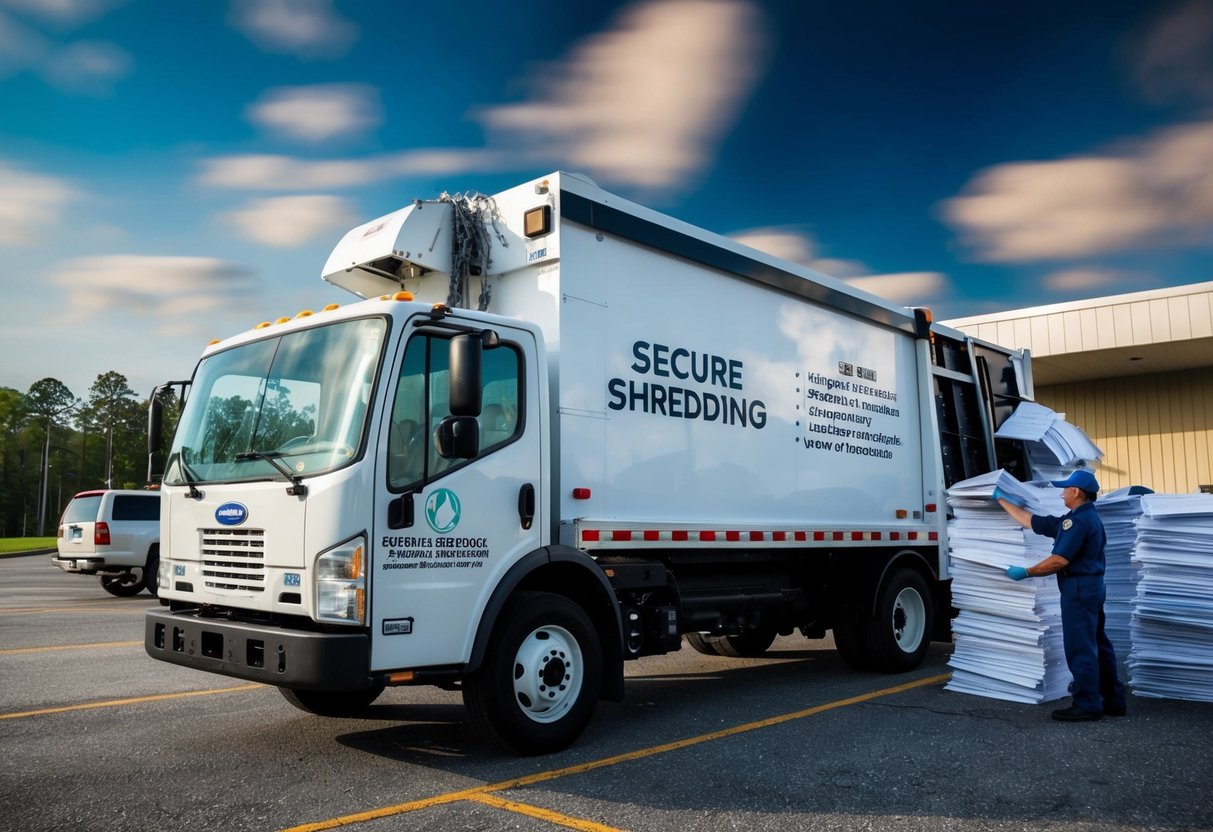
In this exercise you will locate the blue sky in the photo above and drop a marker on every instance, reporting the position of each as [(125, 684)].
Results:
[(176, 172)]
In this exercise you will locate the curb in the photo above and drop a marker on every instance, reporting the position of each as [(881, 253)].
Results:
[(4, 555)]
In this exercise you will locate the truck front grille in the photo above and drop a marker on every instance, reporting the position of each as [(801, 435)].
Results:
[(234, 559)]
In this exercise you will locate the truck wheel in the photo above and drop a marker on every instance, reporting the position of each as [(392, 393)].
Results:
[(702, 644), (332, 702), (540, 680), (899, 635), (151, 572), (125, 585), (746, 645), (851, 644)]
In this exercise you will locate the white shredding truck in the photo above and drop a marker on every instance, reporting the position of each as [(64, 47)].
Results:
[(561, 432)]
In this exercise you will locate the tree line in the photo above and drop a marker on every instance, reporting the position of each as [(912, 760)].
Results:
[(54, 444)]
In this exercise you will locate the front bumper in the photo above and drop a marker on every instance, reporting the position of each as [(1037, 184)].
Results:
[(263, 653)]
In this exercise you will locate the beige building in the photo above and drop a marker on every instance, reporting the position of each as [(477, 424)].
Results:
[(1134, 371)]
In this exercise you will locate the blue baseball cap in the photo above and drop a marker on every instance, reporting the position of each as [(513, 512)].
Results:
[(1081, 478)]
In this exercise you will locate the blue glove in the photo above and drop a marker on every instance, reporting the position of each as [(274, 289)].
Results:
[(999, 494), (1016, 573)]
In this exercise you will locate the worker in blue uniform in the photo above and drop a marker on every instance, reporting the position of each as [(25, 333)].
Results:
[(1078, 562)]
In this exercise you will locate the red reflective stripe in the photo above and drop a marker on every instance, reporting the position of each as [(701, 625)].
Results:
[(590, 536), (931, 508), (819, 535), (876, 535), (679, 535), (802, 535), (707, 537), (911, 535), (894, 535), (651, 535), (838, 535), (856, 535), (732, 536), (756, 535), (622, 535), (779, 536), (933, 536)]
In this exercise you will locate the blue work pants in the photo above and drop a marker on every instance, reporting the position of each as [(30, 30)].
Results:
[(1089, 653)]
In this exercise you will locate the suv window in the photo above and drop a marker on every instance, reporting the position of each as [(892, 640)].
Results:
[(82, 509), (131, 507)]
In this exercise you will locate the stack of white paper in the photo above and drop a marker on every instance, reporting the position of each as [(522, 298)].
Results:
[(1055, 447), (1172, 624), (1119, 511), (1008, 633)]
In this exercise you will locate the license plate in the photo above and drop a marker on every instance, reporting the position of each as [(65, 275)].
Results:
[(75, 534)]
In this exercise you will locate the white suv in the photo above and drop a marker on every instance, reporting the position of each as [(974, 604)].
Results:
[(114, 534)]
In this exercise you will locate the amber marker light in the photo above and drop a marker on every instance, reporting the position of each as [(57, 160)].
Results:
[(405, 296), (262, 325), (306, 313), (331, 307), (282, 320), (402, 677)]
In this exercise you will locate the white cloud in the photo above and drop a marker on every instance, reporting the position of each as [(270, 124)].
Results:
[(303, 28), (1089, 280), (287, 221), (63, 12), (284, 173), (646, 102), (89, 67), (906, 288), (1175, 57), (318, 113), (170, 292), (1158, 191), (31, 206)]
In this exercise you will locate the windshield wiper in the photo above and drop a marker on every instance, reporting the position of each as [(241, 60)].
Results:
[(297, 489), (188, 476)]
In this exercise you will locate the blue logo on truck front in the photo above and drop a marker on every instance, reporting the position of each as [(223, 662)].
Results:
[(231, 514)]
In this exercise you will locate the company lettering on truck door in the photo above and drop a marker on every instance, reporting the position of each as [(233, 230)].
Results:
[(678, 402)]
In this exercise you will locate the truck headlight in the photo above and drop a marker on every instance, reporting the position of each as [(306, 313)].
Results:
[(341, 583)]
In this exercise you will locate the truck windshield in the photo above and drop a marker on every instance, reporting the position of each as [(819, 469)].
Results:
[(301, 398)]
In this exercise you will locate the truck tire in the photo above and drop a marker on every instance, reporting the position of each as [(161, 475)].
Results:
[(151, 572), (851, 642), (899, 635), (540, 680), (332, 702), (745, 645), (702, 644), (126, 585)]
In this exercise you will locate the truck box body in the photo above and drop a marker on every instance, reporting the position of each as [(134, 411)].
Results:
[(645, 431), (687, 396)]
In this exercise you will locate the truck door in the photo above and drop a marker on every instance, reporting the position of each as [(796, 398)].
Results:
[(447, 529)]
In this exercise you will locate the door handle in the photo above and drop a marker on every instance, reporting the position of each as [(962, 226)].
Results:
[(400, 512), (526, 505)]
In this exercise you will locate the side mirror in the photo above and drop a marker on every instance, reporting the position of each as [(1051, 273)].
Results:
[(467, 353), (458, 437)]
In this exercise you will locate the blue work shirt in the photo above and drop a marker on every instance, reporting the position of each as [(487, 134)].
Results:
[(1079, 538)]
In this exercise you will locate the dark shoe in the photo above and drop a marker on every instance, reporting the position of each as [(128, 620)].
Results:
[(1114, 710), (1076, 714)]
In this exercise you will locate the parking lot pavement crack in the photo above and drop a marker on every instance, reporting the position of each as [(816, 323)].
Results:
[(1010, 719)]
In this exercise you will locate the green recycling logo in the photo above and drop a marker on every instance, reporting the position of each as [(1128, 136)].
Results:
[(442, 510)]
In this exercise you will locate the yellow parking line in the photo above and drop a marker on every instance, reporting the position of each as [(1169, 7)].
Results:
[(478, 792), (12, 651), (134, 700), (542, 814)]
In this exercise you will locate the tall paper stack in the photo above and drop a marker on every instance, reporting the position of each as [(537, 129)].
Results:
[(1055, 447), (1172, 625), (1119, 511), (1008, 633)]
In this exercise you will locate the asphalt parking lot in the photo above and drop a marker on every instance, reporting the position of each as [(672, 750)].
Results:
[(98, 736)]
